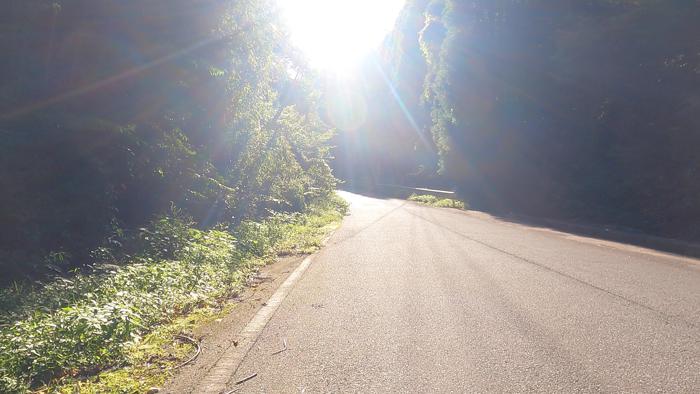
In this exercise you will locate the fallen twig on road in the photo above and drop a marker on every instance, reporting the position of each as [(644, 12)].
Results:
[(247, 378), (196, 354), (284, 341)]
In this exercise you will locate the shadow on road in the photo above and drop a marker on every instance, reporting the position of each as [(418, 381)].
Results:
[(602, 232), (607, 233)]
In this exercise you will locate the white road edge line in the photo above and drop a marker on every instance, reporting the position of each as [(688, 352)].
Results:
[(218, 377)]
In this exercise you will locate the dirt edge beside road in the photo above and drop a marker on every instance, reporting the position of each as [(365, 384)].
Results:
[(218, 335)]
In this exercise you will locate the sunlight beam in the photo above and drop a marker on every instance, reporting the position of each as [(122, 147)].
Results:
[(336, 34)]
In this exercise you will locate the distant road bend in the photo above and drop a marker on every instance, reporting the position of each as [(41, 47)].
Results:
[(406, 298)]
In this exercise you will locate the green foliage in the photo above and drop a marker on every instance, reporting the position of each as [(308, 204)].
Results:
[(149, 363), (129, 108), (305, 233), (167, 235), (283, 233), (101, 321), (96, 320), (434, 201), (558, 109), (114, 113)]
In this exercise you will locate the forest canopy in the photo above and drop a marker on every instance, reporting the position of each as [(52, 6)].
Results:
[(580, 110), (115, 112)]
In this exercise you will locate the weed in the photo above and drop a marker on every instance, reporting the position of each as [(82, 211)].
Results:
[(117, 314), (434, 201)]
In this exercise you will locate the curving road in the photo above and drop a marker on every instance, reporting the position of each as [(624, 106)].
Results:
[(406, 298)]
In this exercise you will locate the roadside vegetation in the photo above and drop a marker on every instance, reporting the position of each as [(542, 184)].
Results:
[(133, 318), (434, 201), (153, 156), (208, 108), (571, 110)]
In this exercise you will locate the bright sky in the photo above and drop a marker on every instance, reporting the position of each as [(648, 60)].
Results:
[(336, 34)]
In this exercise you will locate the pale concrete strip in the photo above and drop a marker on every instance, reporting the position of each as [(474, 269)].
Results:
[(420, 189), (219, 376)]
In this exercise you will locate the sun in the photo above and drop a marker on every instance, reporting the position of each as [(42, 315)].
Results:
[(337, 34)]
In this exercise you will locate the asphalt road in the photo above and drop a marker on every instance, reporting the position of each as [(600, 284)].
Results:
[(407, 298)]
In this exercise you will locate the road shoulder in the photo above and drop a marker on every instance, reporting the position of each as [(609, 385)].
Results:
[(219, 335)]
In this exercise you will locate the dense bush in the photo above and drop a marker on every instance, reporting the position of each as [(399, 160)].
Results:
[(111, 111), (439, 202), (198, 113), (90, 320), (583, 110), (93, 318)]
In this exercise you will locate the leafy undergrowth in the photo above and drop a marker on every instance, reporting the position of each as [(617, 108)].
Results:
[(434, 201), (113, 329)]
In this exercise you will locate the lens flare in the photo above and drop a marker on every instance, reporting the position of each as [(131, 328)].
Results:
[(336, 34)]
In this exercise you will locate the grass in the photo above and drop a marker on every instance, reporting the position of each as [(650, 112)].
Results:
[(434, 201), (113, 329), (151, 362)]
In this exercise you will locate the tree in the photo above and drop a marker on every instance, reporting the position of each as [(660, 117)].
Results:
[(113, 111), (569, 109)]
